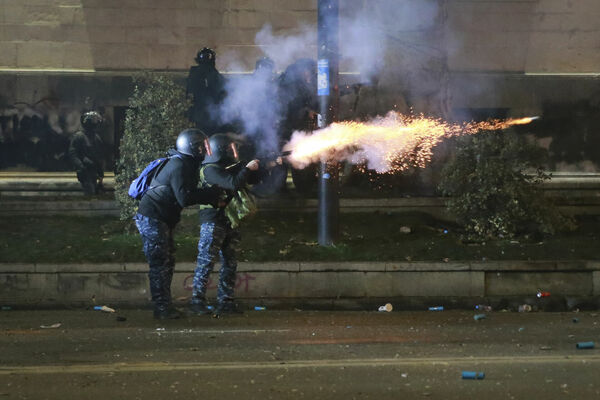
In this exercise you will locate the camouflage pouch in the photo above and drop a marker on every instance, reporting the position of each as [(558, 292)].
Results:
[(242, 205)]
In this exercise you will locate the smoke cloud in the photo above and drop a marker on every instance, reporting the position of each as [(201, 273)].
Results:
[(367, 32)]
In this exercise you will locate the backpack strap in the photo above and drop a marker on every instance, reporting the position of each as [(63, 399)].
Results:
[(168, 158)]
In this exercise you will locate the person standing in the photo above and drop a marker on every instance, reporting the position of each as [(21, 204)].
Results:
[(85, 153), (217, 237), (207, 87), (174, 187)]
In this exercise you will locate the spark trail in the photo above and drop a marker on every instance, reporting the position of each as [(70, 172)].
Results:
[(386, 144)]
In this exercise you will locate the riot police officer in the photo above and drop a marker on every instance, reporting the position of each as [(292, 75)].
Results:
[(217, 236), (174, 187), (85, 153), (207, 87)]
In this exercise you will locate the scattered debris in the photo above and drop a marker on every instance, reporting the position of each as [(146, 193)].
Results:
[(473, 375), (121, 319), (524, 308), (160, 329), (387, 307), (483, 307), (575, 320), (405, 230), (53, 326), (477, 317), (545, 347), (104, 308), (585, 345)]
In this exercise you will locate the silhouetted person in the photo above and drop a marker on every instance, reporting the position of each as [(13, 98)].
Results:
[(299, 104), (207, 87), (85, 153)]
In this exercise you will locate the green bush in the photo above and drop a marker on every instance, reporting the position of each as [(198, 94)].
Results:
[(490, 191), (155, 117)]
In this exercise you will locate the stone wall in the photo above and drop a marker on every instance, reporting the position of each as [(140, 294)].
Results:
[(134, 34), (551, 36), (474, 35)]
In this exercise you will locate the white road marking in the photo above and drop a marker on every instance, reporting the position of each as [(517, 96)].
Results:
[(375, 362)]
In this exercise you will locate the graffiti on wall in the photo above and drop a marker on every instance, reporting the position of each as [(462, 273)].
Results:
[(36, 136), (243, 282)]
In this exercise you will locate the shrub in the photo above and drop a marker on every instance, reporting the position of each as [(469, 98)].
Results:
[(491, 193), (153, 121)]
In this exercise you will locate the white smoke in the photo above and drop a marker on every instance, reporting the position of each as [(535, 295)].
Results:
[(367, 31), (285, 49)]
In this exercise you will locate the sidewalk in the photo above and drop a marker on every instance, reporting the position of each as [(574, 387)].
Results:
[(346, 285), (59, 193)]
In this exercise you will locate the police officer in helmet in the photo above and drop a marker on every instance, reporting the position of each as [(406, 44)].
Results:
[(220, 170), (85, 153), (174, 187), (207, 87)]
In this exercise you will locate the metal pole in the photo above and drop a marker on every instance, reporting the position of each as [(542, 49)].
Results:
[(328, 92)]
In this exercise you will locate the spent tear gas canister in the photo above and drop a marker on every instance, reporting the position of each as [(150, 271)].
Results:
[(472, 375), (585, 345)]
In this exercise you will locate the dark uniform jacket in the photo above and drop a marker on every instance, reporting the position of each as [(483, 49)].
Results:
[(173, 188), (228, 180), (207, 87), (85, 153)]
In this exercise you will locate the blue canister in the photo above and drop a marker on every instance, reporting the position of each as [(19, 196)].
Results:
[(585, 345), (472, 375), (259, 308), (437, 308)]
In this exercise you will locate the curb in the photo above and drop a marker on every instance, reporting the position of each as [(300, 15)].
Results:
[(453, 283)]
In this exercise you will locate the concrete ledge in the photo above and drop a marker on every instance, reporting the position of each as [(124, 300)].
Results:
[(43, 285)]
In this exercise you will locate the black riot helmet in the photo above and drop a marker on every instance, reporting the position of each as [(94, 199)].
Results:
[(206, 56), (264, 64), (192, 142), (91, 120), (222, 148)]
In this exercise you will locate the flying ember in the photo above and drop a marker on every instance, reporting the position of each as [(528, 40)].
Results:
[(386, 144)]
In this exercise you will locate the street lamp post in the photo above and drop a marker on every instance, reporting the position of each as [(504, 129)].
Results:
[(328, 92)]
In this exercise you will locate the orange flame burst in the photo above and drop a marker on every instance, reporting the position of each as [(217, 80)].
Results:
[(387, 144)]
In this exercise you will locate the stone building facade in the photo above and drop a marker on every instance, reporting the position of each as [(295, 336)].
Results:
[(450, 58)]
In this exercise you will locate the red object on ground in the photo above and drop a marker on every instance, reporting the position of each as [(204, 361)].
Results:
[(543, 294)]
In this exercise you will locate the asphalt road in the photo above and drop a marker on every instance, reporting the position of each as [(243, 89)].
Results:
[(298, 354)]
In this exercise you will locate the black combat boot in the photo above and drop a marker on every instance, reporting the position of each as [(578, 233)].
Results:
[(166, 312), (198, 307), (227, 307)]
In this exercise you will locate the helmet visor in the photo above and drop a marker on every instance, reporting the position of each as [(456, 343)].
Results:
[(234, 151), (207, 147)]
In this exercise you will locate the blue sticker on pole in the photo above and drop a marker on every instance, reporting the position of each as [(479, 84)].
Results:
[(323, 77)]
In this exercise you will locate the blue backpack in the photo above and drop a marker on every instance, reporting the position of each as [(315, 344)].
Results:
[(140, 185)]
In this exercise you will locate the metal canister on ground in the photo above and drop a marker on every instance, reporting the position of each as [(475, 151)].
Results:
[(585, 345), (473, 375)]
